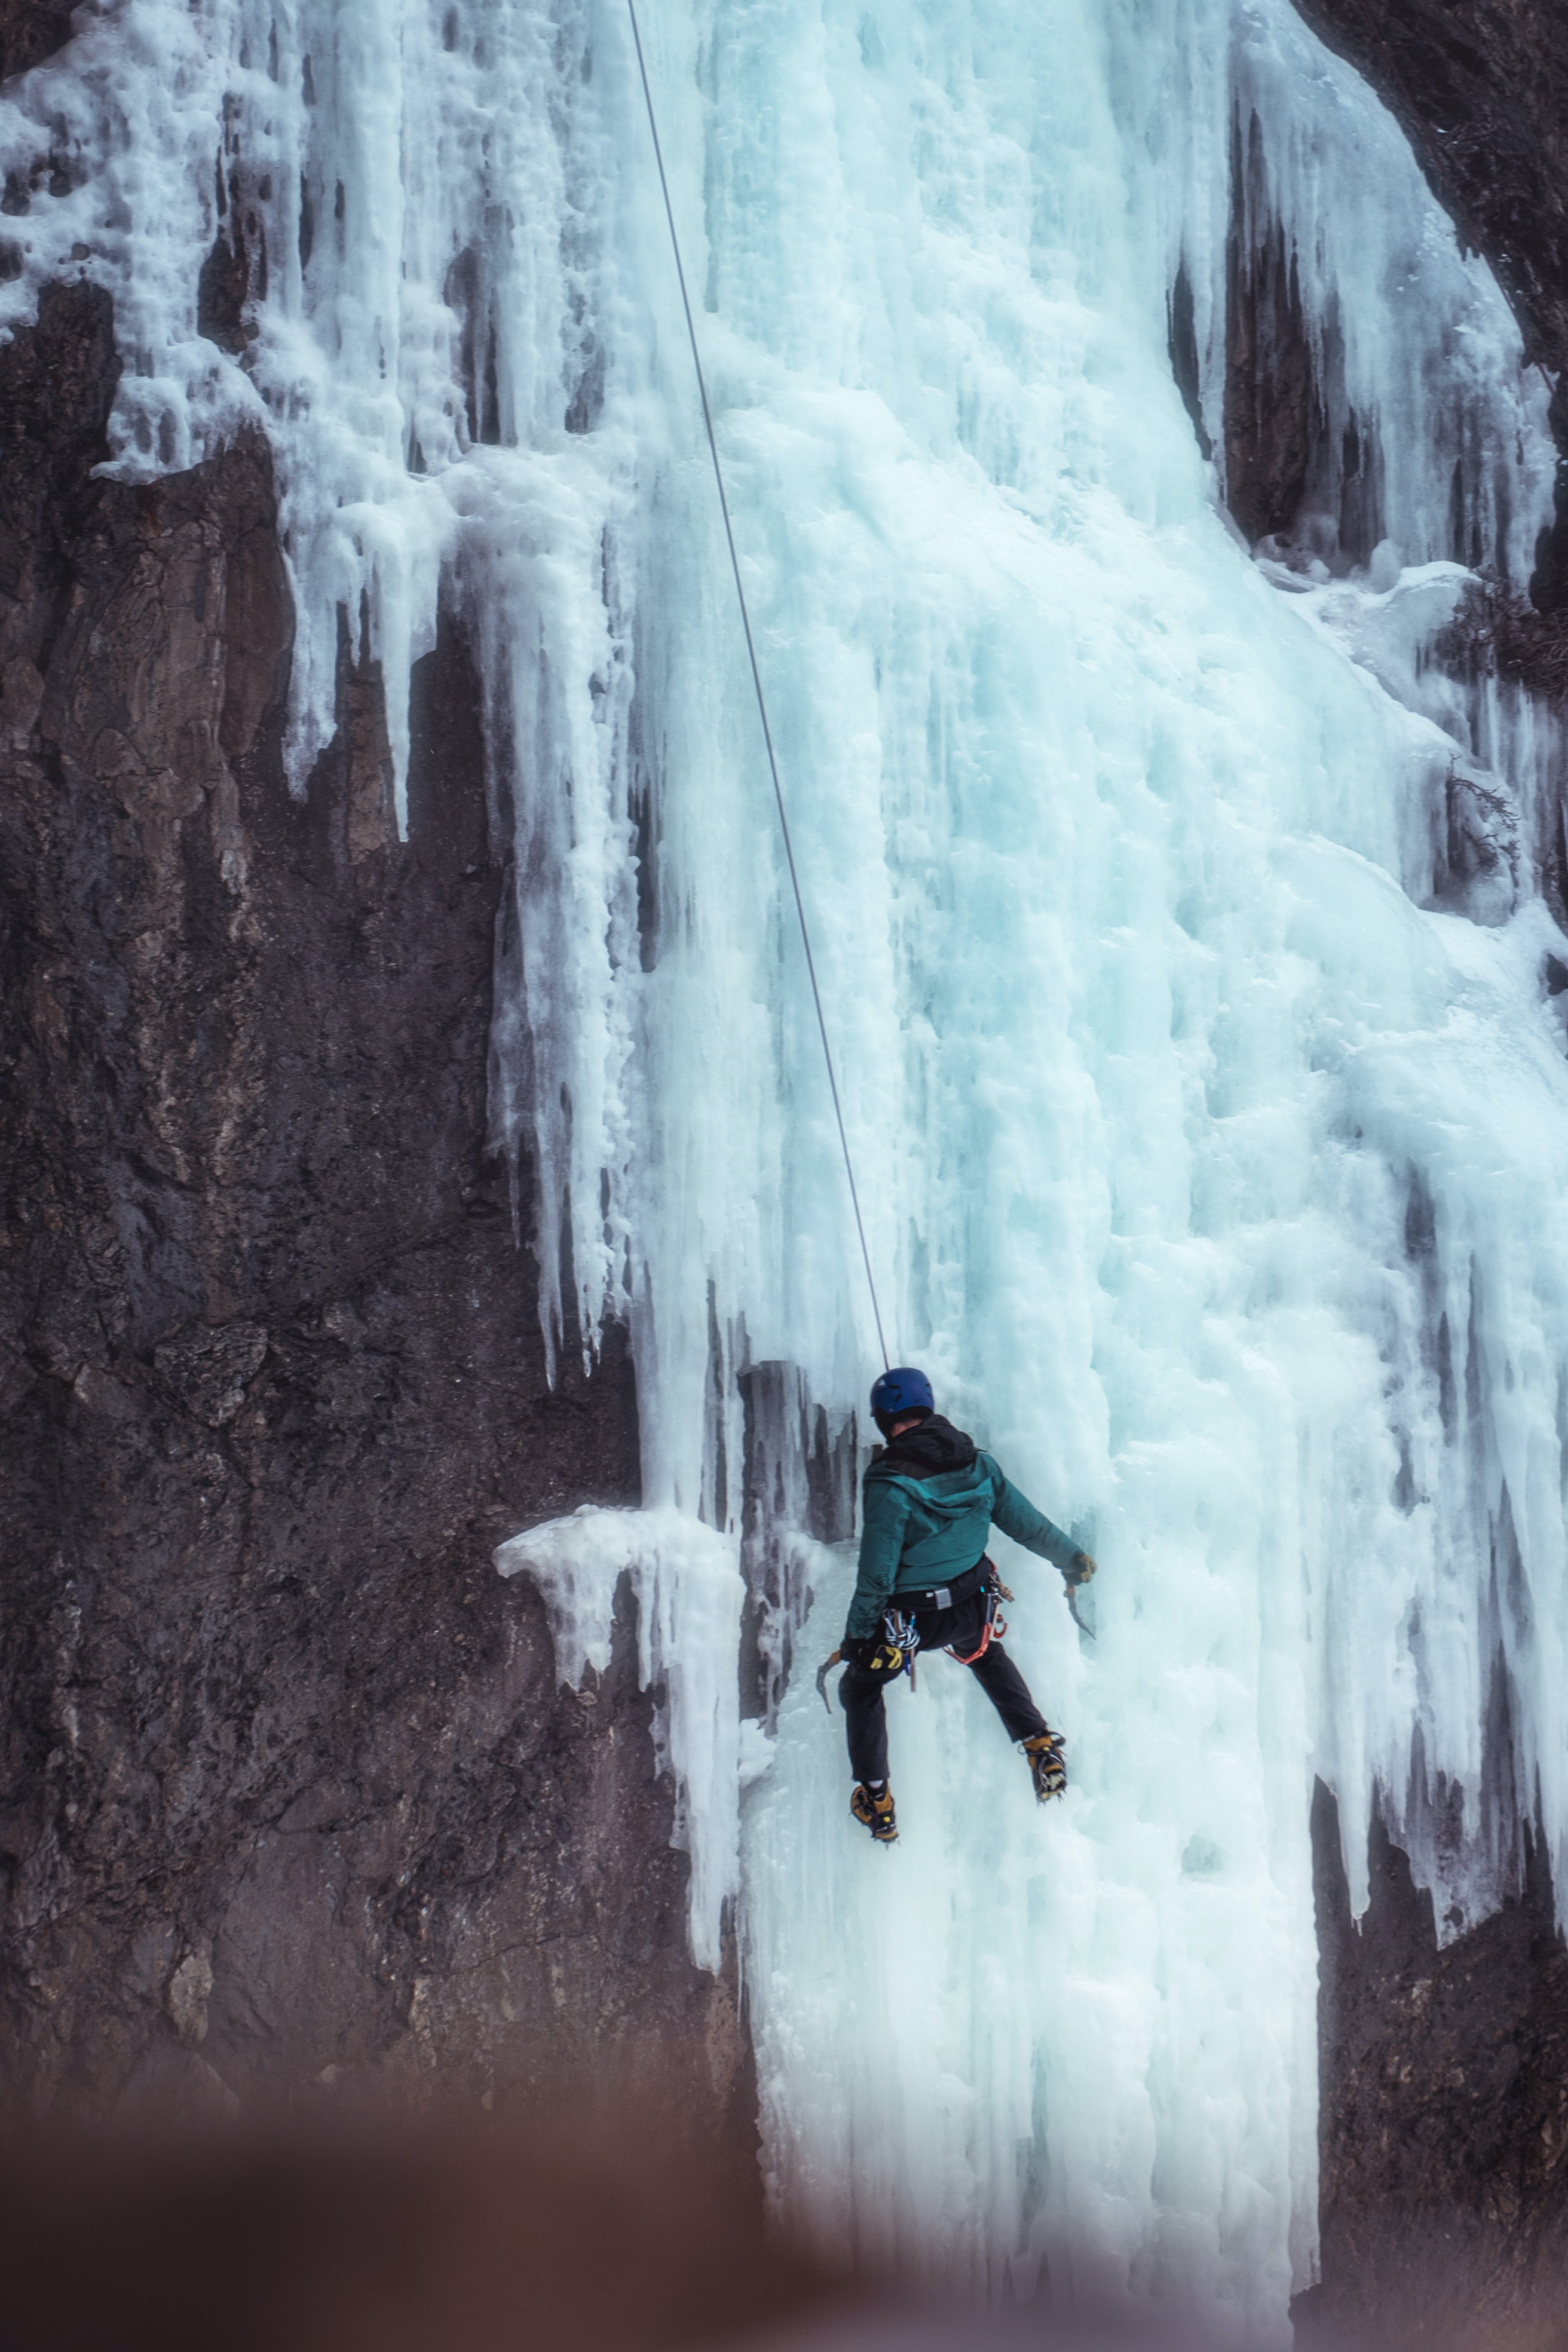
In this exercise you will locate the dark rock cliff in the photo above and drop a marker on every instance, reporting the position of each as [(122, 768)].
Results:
[(288, 1783), (1481, 88), (1445, 2113), (30, 31)]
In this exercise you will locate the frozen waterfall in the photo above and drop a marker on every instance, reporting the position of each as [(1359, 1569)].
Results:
[(1181, 921)]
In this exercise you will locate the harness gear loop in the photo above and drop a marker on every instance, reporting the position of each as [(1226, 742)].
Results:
[(996, 1626), (757, 683), (893, 1656), (903, 1641)]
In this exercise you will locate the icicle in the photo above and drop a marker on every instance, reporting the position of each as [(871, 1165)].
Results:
[(686, 1583)]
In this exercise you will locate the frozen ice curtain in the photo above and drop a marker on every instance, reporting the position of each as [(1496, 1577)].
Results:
[(1214, 1141)]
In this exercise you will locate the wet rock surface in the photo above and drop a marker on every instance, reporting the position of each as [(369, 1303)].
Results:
[(289, 1788), (1273, 405), (1444, 2123)]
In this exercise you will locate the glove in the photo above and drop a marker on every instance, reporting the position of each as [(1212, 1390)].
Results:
[(874, 1651), (1082, 1569)]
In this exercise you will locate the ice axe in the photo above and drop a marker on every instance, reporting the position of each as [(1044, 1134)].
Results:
[(824, 1670), (1082, 1569)]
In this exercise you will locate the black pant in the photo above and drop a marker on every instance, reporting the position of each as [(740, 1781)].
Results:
[(935, 1629)]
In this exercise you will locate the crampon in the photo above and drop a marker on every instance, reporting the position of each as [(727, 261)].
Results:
[(877, 1812), (1047, 1766)]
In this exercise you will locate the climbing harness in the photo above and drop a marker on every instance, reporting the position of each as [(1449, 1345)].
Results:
[(900, 1643), (757, 683), (893, 1655), (948, 1596), (995, 1625)]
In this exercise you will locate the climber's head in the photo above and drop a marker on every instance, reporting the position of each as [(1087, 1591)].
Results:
[(902, 1396)]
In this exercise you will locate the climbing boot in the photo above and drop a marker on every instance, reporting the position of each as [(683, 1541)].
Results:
[(1047, 1765), (877, 1812)]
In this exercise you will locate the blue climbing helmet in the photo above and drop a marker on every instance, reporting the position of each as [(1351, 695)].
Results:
[(903, 1390)]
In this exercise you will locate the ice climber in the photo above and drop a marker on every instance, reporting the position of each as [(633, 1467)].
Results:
[(925, 1583)]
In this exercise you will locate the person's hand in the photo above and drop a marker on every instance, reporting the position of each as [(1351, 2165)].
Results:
[(874, 1651), (1081, 1569)]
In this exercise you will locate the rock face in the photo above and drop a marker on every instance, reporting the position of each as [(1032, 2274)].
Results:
[(31, 31), (1481, 88), (1272, 419), (288, 1782), (1445, 2113)]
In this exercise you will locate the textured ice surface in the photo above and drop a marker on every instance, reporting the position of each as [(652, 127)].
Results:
[(1178, 921)]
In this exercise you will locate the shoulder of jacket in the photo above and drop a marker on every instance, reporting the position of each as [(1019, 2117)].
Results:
[(992, 1470)]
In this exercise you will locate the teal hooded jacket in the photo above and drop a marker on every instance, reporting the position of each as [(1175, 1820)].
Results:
[(928, 1502)]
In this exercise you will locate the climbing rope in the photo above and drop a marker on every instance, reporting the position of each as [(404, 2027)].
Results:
[(757, 683)]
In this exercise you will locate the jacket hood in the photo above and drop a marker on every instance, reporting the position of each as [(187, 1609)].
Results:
[(930, 1450)]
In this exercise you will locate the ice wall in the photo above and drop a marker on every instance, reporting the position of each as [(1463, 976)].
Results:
[(1176, 915)]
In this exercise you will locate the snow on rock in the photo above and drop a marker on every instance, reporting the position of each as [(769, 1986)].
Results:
[(686, 1580)]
